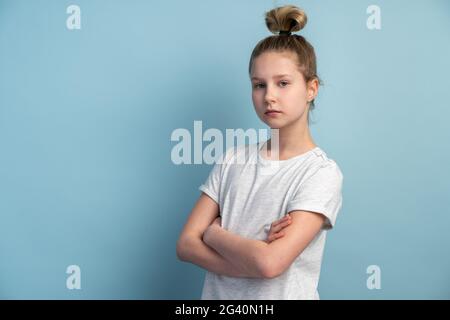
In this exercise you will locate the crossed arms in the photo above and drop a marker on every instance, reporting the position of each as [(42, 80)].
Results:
[(205, 243)]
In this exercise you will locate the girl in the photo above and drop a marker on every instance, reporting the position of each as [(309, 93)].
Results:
[(269, 239)]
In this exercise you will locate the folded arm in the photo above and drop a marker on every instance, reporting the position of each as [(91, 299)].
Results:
[(268, 260), (191, 247), (194, 250), (246, 254)]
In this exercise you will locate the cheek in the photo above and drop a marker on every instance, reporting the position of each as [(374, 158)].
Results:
[(256, 97), (296, 94), (294, 101)]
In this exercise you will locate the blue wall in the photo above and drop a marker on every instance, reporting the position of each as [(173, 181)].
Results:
[(86, 117)]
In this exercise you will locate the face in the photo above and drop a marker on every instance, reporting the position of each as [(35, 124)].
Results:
[(278, 85)]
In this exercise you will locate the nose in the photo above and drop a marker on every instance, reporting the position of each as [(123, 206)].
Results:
[(269, 96)]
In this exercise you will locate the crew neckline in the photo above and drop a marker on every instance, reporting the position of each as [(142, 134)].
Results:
[(297, 157)]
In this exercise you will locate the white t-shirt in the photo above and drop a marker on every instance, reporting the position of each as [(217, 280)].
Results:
[(252, 192)]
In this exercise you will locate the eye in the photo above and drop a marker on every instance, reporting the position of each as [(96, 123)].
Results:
[(258, 85), (284, 83)]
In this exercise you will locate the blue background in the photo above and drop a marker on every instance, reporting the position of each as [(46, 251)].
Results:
[(86, 117)]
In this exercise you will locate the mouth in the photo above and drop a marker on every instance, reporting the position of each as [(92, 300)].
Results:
[(272, 113)]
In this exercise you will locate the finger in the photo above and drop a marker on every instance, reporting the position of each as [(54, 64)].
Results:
[(271, 238), (276, 222), (275, 236), (281, 226)]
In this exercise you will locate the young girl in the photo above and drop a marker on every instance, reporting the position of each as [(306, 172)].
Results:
[(259, 235)]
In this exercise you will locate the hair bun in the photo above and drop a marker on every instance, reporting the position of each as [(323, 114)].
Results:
[(285, 19)]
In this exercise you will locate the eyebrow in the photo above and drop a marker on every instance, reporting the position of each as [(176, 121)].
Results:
[(274, 77)]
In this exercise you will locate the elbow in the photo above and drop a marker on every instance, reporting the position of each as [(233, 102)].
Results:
[(270, 272), (268, 268), (182, 249), (186, 246)]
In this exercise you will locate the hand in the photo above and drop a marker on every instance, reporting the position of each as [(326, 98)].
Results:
[(276, 228)]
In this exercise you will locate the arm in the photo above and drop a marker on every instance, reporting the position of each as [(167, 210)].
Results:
[(197, 252), (246, 254), (268, 259), (191, 248)]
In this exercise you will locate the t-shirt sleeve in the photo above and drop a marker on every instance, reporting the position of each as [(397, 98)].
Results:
[(212, 184), (321, 193)]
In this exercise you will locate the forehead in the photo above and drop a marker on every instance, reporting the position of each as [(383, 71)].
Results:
[(269, 64)]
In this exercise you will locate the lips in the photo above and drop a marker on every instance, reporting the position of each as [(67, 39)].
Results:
[(272, 112)]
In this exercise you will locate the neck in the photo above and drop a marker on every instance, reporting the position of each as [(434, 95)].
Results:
[(293, 139)]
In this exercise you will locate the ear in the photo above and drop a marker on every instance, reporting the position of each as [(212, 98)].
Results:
[(312, 89)]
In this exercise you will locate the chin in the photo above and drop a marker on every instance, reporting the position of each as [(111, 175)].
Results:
[(274, 125)]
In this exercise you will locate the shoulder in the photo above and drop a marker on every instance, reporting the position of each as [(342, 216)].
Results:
[(324, 166), (226, 156)]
